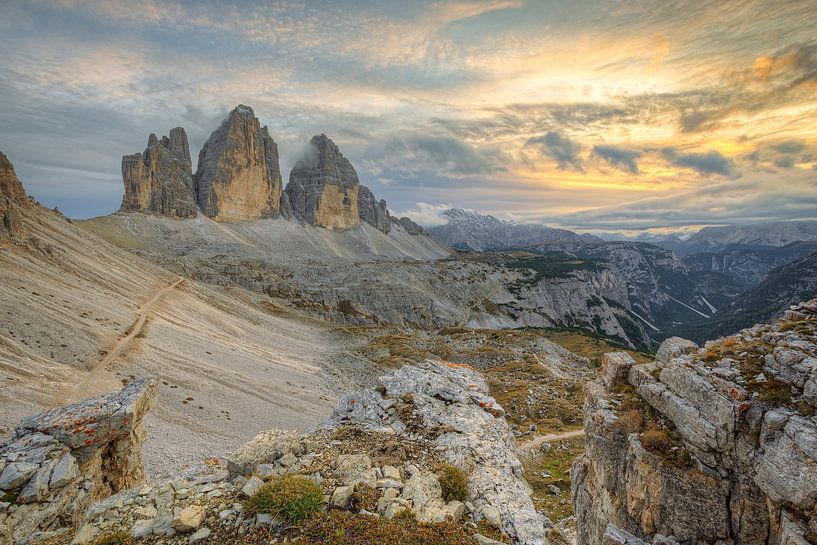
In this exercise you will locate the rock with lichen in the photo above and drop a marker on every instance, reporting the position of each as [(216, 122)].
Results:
[(57, 462), (705, 445)]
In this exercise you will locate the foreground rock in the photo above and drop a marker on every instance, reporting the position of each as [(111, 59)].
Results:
[(448, 406), (161, 178), (711, 445), (58, 462), (323, 187), (238, 177), (379, 455)]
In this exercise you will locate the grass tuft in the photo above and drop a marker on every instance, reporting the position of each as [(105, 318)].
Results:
[(291, 498), (454, 483)]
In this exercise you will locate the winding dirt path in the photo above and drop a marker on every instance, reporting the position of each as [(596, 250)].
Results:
[(549, 438), (98, 368)]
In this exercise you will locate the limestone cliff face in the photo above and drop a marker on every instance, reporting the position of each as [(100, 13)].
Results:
[(323, 187), (712, 445), (161, 178), (12, 196), (373, 212), (238, 177)]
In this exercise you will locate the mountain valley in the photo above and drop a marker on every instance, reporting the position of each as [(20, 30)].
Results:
[(237, 332)]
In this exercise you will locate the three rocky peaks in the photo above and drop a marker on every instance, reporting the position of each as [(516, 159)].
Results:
[(238, 179)]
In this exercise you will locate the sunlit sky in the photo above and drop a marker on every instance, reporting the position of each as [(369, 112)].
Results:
[(654, 116)]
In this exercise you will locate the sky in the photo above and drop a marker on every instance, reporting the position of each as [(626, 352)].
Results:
[(632, 117)]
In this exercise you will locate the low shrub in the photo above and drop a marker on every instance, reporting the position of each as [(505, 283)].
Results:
[(364, 497), (344, 528), (117, 538), (630, 421), (454, 483), (291, 498), (668, 445), (656, 440)]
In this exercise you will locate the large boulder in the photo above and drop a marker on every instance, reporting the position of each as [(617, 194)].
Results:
[(238, 177), (56, 463), (323, 187), (161, 178)]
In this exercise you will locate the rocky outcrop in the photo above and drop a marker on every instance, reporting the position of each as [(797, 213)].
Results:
[(323, 187), (380, 454), (408, 225), (450, 406), (238, 177), (373, 212), (161, 178), (12, 196), (56, 463), (711, 445)]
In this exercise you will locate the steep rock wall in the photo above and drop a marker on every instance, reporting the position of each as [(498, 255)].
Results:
[(238, 176), (161, 178), (711, 445)]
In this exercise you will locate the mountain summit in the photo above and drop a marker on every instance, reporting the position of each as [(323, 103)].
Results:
[(238, 177), (160, 178), (323, 187), (470, 230)]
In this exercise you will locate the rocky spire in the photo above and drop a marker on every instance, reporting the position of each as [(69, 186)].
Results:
[(323, 187), (12, 195), (238, 177), (373, 212), (161, 179)]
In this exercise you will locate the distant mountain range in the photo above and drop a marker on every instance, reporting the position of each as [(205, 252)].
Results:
[(718, 280), (471, 231), (716, 239)]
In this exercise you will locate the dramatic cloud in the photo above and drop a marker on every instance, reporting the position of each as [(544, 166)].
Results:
[(560, 148), (476, 104), (619, 157), (711, 162), (790, 146)]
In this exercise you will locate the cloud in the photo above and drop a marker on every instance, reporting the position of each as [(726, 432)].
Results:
[(618, 157), (754, 198), (427, 215), (416, 154), (711, 162), (789, 146), (784, 162), (560, 148)]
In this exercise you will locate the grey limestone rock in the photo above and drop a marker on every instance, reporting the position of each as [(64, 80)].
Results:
[(323, 187), (58, 461), (750, 475), (373, 212), (160, 179)]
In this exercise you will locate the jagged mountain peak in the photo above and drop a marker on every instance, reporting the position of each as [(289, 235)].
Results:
[(471, 230)]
